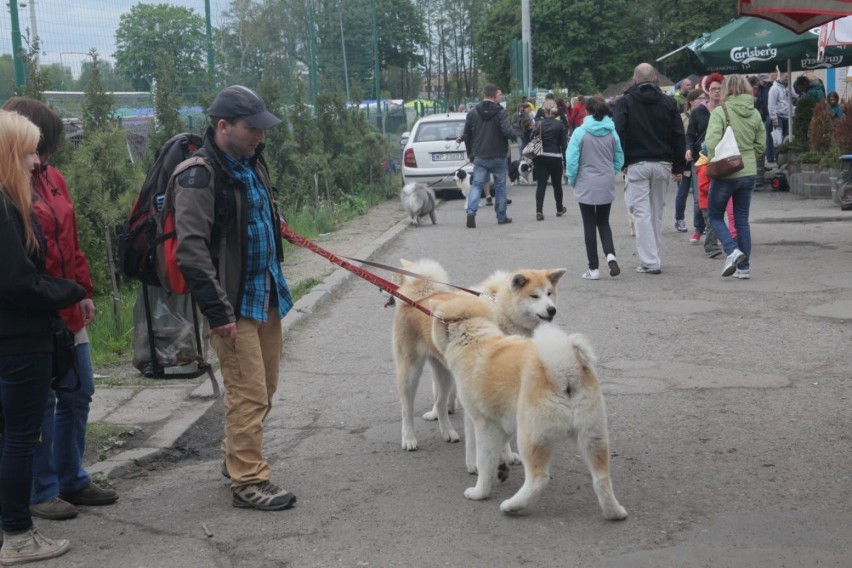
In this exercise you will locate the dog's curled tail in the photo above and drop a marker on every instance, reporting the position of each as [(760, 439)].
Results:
[(563, 353)]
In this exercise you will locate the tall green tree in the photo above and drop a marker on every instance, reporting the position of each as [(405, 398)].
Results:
[(146, 31), (585, 45)]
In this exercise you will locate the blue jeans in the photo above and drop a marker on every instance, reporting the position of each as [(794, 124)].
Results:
[(683, 188), (58, 460), (740, 190), (498, 168), (24, 383)]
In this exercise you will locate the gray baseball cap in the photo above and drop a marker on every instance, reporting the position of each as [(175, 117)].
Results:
[(237, 101)]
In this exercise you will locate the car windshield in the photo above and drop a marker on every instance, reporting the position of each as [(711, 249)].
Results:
[(435, 131)]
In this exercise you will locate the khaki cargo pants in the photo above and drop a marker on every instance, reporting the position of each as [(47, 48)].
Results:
[(250, 373)]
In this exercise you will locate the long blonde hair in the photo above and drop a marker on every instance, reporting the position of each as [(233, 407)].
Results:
[(18, 139)]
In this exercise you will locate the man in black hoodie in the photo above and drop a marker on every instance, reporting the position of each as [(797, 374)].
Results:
[(487, 133), (651, 132)]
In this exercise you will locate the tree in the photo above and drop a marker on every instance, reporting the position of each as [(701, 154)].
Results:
[(97, 103), (586, 44), (111, 80), (146, 31)]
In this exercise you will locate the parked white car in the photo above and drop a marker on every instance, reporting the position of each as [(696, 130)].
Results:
[(432, 155)]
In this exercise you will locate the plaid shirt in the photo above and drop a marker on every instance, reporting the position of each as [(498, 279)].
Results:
[(263, 273)]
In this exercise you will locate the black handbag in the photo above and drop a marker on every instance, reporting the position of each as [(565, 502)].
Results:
[(64, 357)]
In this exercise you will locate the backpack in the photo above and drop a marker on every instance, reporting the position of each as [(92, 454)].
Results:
[(141, 233)]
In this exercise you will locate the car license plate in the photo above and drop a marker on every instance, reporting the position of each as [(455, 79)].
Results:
[(448, 157)]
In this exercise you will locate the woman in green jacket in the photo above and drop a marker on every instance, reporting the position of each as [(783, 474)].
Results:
[(738, 100)]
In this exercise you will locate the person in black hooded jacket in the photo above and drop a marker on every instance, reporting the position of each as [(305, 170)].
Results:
[(487, 133), (651, 132), (29, 300)]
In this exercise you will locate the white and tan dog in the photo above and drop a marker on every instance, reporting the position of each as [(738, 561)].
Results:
[(521, 301), (543, 389)]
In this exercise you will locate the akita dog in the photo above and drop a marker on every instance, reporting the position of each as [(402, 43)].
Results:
[(543, 389), (418, 200), (519, 302)]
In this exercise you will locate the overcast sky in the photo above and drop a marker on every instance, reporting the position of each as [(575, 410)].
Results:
[(69, 28)]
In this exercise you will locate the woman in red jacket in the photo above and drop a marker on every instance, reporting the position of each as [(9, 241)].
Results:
[(59, 480)]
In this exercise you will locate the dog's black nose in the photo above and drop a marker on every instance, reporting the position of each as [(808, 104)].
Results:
[(551, 311)]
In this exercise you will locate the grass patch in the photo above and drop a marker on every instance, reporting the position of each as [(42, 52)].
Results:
[(303, 287), (105, 440), (111, 338)]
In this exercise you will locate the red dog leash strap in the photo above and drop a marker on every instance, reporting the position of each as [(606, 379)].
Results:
[(414, 274), (378, 281)]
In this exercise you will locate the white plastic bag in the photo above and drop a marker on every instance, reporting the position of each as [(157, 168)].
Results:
[(777, 136)]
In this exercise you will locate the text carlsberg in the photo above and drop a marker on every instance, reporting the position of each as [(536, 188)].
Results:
[(746, 55)]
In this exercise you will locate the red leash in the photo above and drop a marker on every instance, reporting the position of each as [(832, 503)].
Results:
[(378, 281)]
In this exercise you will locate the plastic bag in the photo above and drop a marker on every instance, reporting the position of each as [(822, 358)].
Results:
[(172, 327), (777, 136)]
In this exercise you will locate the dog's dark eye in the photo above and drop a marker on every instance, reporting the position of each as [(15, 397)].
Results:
[(534, 296)]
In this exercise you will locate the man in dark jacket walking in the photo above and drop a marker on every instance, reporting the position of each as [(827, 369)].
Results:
[(651, 132), (229, 251), (487, 133)]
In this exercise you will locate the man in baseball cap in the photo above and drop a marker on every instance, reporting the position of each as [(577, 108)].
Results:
[(237, 101), (229, 251)]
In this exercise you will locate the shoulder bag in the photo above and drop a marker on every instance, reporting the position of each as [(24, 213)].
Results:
[(534, 149), (726, 159)]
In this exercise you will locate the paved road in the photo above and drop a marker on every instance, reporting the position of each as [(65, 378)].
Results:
[(729, 415)]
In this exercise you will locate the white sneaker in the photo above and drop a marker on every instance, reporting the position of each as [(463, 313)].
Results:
[(742, 274), (614, 270), (30, 546), (591, 274), (733, 261)]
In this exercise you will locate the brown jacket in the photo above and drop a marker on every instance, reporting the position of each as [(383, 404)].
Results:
[(211, 220)]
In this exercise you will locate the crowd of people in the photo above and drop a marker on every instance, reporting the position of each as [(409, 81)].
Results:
[(233, 265), (653, 138)]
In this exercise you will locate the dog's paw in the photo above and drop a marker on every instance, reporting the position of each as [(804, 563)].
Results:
[(511, 458), (475, 494), (430, 416), (451, 436), (409, 443), (615, 513), (510, 506)]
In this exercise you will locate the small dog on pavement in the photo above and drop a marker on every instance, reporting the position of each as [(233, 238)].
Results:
[(418, 200), (543, 389), (520, 170), (462, 179)]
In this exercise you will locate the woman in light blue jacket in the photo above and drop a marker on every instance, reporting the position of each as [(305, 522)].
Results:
[(593, 158)]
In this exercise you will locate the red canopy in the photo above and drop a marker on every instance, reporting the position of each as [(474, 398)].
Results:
[(796, 15)]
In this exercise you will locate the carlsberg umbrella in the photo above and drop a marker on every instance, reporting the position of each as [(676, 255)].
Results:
[(753, 45)]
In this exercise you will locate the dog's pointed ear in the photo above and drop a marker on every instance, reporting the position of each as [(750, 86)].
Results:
[(555, 274), (519, 281)]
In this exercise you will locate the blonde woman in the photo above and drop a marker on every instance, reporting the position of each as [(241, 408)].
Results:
[(738, 102), (29, 301)]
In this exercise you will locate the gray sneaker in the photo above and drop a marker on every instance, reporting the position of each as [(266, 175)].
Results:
[(54, 508), (680, 226), (30, 546), (733, 261), (264, 496)]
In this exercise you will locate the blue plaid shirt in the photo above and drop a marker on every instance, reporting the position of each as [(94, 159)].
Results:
[(263, 273)]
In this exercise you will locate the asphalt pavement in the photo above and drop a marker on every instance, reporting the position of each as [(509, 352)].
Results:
[(729, 415)]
